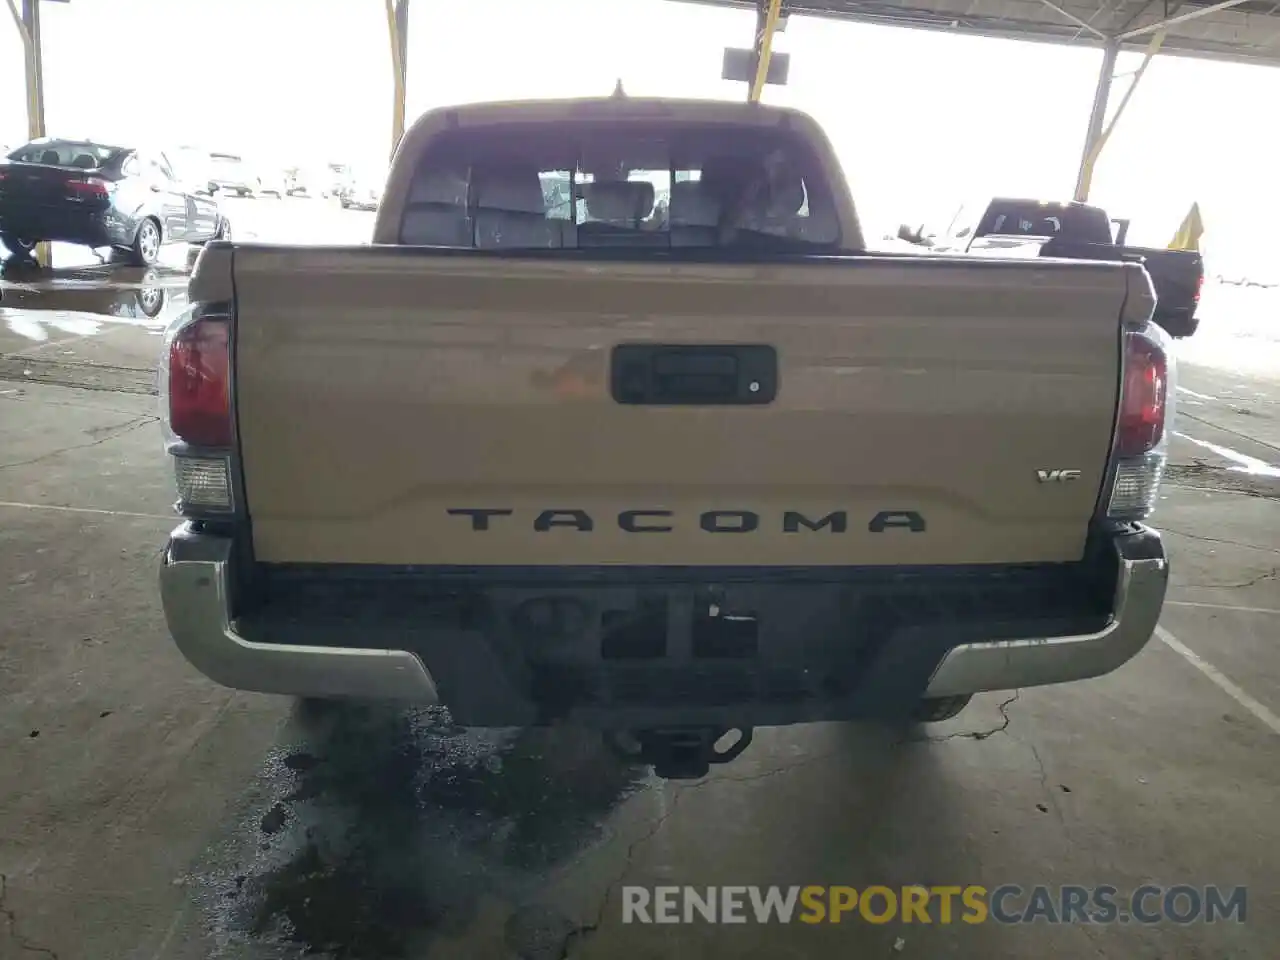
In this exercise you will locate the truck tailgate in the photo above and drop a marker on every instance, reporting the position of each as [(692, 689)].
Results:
[(399, 406), (1176, 276)]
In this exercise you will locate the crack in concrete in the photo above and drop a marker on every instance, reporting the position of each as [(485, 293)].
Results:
[(1271, 574), (120, 430), (1044, 785), (814, 758), (971, 734), (1233, 543), (582, 931), (97, 432), (6, 912), (978, 735)]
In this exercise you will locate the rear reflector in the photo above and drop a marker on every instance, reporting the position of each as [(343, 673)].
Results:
[(1143, 425), (199, 394), (203, 482)]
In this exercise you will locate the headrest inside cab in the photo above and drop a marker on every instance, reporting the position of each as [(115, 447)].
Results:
[(618, 199)]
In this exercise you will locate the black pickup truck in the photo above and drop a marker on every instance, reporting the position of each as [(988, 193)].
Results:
[(1076, 231)]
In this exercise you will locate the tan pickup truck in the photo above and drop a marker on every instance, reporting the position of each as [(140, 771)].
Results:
[(618, 423)]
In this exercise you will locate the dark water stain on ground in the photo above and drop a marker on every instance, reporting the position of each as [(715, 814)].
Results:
[(275, 819), (381, 831)]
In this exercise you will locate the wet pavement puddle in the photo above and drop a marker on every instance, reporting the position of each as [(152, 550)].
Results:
[(379, 831)]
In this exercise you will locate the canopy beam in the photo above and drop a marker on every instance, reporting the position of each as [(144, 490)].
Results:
[(1078, 21), (1180, 18)]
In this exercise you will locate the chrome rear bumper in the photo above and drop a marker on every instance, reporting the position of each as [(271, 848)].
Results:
[(195, 584), (196, 598), (1141, 578)]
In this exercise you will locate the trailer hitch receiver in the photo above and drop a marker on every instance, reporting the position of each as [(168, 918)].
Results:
[(678, 753)]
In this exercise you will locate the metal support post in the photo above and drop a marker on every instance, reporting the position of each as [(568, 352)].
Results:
[(767, 13), (34, 64), (1091, 158), (398, 30), (1093, 140), (35, 68)]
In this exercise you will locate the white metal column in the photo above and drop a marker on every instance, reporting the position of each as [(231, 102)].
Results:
[(1093, 139), (398, 32)]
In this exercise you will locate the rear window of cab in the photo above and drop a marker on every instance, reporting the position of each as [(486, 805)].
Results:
[(597, 184)]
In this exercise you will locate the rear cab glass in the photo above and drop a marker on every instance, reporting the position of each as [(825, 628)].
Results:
[(1031, 219), (585, 184), (66, 153)]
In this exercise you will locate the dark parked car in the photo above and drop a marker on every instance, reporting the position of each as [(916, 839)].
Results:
[(75, 191), (1074, 231)]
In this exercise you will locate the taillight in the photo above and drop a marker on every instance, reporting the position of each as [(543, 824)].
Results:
[(1140, 451), (195, 381), (1142, 396), (199, 388), (88, 189), (1199, 287)]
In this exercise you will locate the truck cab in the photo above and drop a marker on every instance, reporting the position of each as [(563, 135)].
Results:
[(1018, 227)]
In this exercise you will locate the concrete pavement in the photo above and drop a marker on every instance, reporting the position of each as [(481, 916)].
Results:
[(146, 814)]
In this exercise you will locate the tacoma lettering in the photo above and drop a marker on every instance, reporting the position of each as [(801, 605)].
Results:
[(896, 518), (729, 521), (837, 522), (479, 518), (575, 519), (631, 521), (711, 521)]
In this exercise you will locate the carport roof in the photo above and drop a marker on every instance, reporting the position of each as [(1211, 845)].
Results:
[(1242, 31)]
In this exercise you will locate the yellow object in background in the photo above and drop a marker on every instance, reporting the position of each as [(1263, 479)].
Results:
[(1189, 234)]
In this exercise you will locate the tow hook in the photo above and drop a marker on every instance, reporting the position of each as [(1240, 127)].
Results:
[(677, 753)]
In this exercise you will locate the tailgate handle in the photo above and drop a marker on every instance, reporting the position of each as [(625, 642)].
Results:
[(687, 375)]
